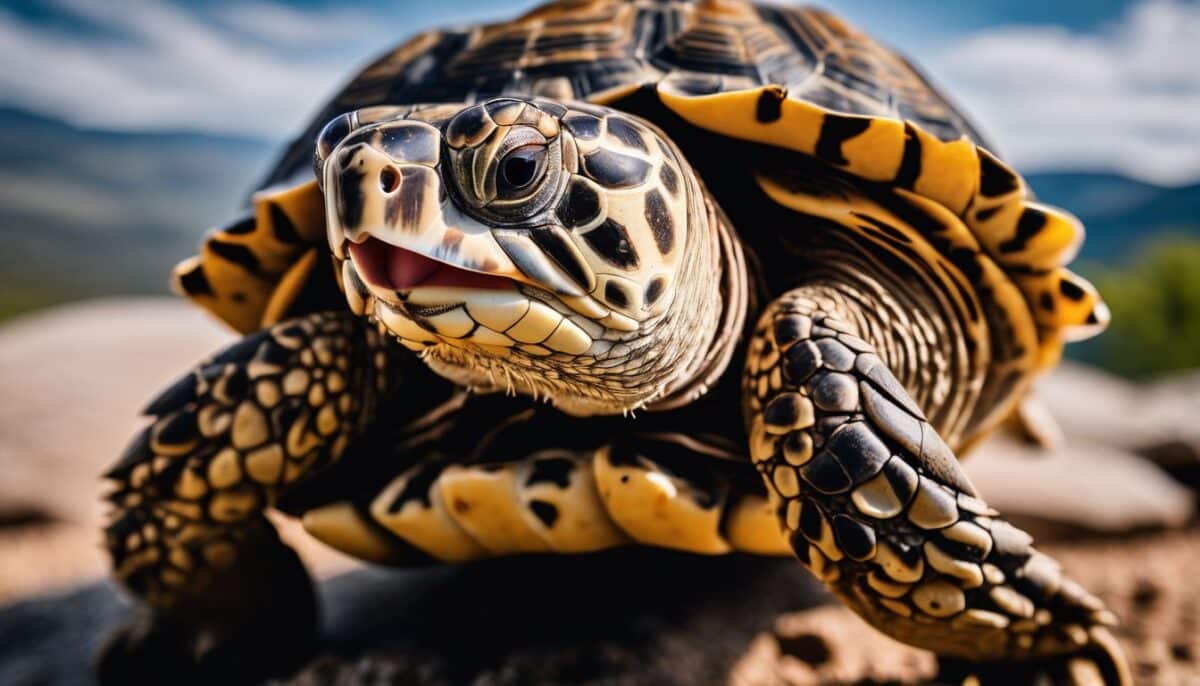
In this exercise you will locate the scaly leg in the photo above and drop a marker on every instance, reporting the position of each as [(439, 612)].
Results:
[(187, 536), (877, 506)]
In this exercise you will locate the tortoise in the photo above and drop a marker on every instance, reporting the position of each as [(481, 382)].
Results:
[(711, 276)]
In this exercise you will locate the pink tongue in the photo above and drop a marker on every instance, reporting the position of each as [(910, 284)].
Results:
[(406, 268), (387, 266)]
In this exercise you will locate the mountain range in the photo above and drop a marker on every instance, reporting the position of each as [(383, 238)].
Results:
[(88, 212)]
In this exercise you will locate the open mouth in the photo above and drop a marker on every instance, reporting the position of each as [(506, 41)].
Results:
[(387, 266)]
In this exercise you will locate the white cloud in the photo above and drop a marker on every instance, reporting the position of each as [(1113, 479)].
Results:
[(171, 68), (284, 25), (1125, 97)]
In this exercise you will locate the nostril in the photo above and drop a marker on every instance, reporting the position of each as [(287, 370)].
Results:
[(389, 180)]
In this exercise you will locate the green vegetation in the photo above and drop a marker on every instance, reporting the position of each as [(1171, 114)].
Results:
[(1155, 302)]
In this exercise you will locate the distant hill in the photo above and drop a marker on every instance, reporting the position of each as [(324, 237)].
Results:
[(86, 212)]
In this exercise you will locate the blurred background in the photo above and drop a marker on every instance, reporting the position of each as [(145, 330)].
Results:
[(129, 128)]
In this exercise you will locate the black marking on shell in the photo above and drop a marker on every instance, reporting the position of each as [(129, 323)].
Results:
[(243, 226), (282, 226), (655, 290), (994, 179), (1046, 300), (910, 161), (611, 241), (563, 254), (614, 170), (615, 295), (987, 213), (553, 470), (1032, 221), (855, 538), (887, 229), (658, 216), (579, 206), (626, 132), (1071, 290), (769, 107), (835, 130), (670, 180), (195, 282), (544, 511), (237, 254)]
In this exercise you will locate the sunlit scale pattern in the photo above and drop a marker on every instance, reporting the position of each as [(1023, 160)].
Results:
[(877, 506), (230, 435)]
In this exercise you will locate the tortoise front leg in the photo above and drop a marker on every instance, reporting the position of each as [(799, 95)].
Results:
[(187, 535), (876, 505)]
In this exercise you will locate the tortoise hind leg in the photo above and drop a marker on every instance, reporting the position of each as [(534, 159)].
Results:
[(224, 598), (876, 506)]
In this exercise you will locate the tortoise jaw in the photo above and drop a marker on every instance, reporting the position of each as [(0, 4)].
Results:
[(389, 268)]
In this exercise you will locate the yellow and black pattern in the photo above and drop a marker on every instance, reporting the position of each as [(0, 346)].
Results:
[(876, 505), (552, 501), (797, 78), (249, 273), (228, 438), (988, 306), (1031, 242), (603, 50)]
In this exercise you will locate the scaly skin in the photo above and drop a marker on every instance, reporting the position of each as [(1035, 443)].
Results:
[(877, 507), (187, 535)]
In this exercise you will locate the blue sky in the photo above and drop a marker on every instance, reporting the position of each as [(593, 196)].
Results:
[(1066, 84)]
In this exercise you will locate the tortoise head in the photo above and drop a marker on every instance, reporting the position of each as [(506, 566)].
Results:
[(555, 250)]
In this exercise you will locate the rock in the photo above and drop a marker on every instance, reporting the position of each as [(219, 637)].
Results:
[(1079, 488), (74, 379), (1156, 419)]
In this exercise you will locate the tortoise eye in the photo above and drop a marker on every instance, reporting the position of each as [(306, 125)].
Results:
[(519, 169)]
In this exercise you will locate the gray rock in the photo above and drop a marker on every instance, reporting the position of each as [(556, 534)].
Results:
[(1078, 488)]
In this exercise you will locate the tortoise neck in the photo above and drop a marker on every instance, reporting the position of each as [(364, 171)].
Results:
[(722, 322)]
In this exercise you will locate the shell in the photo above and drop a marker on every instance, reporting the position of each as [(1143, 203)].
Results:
[(798, 79)]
